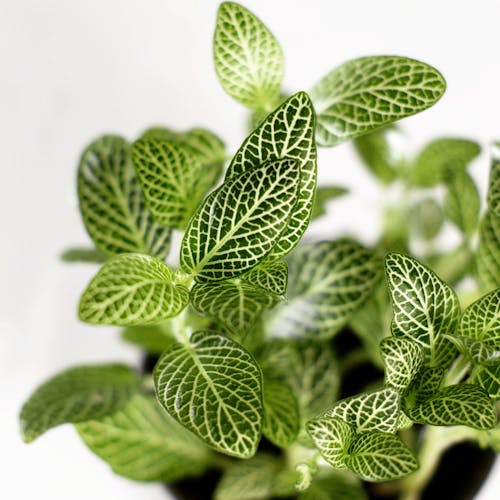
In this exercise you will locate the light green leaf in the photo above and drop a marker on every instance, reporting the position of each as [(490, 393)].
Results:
[(76, 395), (132, 289), (370, 411), (403, 360), (452, 265), (281, 419), (111, 202), (213, 387), (441, 156), (235, 304), (324, 194), (487, 376), (476, 352), (462, 404), (155, 339), (270, 276), (404, 422), (488, 251), (238, 224), (91, 255), (461, 204), (494, 185), (334, 485), (142, 442), (377, 456), (248, 60), (288, 132), (364, 94), (328, 281), (425, 308), (333, 437), (426, 218), (425, 384)]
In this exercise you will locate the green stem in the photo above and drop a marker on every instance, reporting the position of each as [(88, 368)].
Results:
[(457, 371)]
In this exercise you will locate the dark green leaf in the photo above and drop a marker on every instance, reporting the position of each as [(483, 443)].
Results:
[(494, 185), (487, 376), (270, 276)]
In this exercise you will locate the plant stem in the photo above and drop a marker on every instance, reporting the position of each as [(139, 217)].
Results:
[(457, 371)]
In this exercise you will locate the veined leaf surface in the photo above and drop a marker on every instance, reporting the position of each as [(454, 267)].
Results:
[(270, 276), (248, 59), (132, 289), (76, 395), (494, 185), (213, 387), (423, 386), (488, 251), (364, 94), (142, 442), (238, 224), (487, 377), (111, 202)]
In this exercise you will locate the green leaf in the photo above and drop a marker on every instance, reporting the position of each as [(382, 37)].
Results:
[(288, 132), (441, 156), (364, 94), (452, 265), (426, 218), (377, 456), (370, 411), (461, 204), (403, 360), (462, 404), (111, 202), (132, 289), (248, 60), (476, 352), (76, 395), (425, 385), (235, 304), (238, 224), (324, 194), (328, 281), (334, 485), (155, 339), (213, 387), (425, 308), (488, 251), (494, 184), (487, 376), (270, 276), (332, 436), (281, 420), (142, 442), (91, 255)]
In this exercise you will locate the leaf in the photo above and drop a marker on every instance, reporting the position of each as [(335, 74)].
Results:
[(488, 251), (235, 304), (403, 360), (91, 255), (494, 184), (75, 395), (132, 289), (328, 281), (441, 157), (334, 484), (462, 404), (238, 224), (475, 352), (288, 132), (488, 378), (248, 60), (452, 265), (324, 194), (424, 385), (364, 94), (333, 437), (282, 419), (142, 442), (425, 308), (426, 218), (155, 339), (270, 276), (461, 204), (371, 411), (213, 387), (111, 202), (376, 456)]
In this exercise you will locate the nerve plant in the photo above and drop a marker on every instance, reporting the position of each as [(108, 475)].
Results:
[(245, 326)]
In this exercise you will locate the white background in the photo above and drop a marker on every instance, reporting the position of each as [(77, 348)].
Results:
[(71, 70)]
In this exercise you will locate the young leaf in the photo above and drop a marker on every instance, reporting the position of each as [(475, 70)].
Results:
[(155, 339), (462, 404), (334, 484), (288, 132), (83, 255), (425, 308), (281, 418), (440, 157), (238, 224), (364, 94), (111, 202), (328, 282), (461, 204), (142, 442), (488, 251), (424, 385), (235, 304), (333, 437), (132, 289), (371, 411), (376, 456), (403, 360), (213, 387), (248, 60), (494, 185), (270, 276), (324, 194), (476, 352), (76, 395), (168, 174), (487, 377)]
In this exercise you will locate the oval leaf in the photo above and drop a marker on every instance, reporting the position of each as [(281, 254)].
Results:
[(270, 276), (488, 378)]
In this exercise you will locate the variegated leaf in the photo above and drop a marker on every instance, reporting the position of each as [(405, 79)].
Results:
[(488, 251), (487, 376), (425, 384), (494, 186), (270, 276)]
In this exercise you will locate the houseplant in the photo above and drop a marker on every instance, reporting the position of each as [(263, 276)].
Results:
[(276, 371)]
